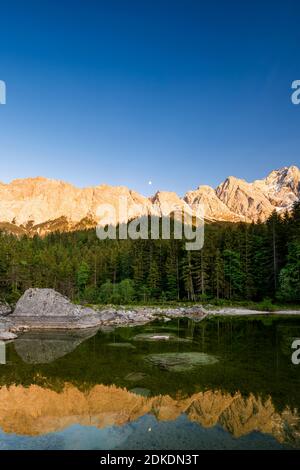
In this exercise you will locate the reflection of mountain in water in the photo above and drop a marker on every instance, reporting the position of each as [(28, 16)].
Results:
[(35, 410), (40, 347)]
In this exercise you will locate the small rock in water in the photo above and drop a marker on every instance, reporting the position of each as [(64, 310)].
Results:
[(135, 376), (159, 337), (7, 335), (181, 362), (122, 345), (141, 391)]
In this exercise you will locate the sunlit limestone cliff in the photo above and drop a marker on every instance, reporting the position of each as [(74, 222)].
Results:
[(41, 205)]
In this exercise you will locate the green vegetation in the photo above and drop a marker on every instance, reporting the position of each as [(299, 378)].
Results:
[(239, 263)]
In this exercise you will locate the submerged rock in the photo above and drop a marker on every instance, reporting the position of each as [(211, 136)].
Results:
[(135, 376), (160, 337), (181, 362), (144, 392), (122, 345)]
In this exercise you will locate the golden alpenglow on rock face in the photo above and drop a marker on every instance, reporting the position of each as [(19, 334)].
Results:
[(41, 205)]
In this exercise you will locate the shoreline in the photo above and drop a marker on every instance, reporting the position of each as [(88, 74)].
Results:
[(46, 309), (131, 318), (240, 311)]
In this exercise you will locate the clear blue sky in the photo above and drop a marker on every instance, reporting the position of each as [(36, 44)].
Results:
[(122, 92)]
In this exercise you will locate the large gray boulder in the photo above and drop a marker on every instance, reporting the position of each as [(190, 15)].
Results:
[(46, 308), (48, 303)]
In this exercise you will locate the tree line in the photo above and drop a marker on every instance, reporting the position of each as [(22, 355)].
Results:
[(238, 262)]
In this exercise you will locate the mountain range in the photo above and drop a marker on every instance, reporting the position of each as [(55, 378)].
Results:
[(41, 205)]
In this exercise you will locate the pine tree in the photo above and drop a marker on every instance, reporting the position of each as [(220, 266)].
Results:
[(83, 274), (187, 276)]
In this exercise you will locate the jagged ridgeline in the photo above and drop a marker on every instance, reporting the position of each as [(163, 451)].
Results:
[(40, 205), (239, 261)]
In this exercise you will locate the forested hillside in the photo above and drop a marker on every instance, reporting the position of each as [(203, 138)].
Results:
[(238, 262)]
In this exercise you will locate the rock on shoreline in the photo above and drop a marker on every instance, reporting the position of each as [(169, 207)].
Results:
[(6, 327), (48, 309), (5, 309)]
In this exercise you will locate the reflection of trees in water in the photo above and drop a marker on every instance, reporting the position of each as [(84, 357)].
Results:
[(250, 353), (287, 334)]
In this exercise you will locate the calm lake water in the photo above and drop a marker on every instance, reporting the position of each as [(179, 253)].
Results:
[(223, 383)]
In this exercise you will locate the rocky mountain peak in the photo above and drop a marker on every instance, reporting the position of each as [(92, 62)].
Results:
[(244, 199), (213, 207), (281, 187), (43, 205)]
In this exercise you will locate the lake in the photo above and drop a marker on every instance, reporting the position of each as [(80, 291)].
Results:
[(223, 383)]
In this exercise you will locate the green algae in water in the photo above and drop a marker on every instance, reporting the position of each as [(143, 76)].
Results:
[(181, 362), (144, 392)]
